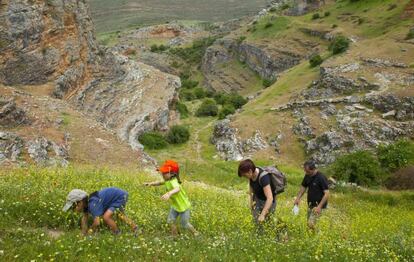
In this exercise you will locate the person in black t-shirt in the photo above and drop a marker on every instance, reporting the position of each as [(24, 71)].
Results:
[(262, 200), (318, 192)]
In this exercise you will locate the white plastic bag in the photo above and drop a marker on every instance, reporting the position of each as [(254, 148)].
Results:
[(295, 210)]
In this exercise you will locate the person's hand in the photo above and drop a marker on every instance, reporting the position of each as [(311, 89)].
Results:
[(317, 210), (296, 202), (166, 196), (252, 205), (261, 218)]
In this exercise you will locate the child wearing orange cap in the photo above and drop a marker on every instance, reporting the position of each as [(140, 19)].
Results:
[(180, 205)]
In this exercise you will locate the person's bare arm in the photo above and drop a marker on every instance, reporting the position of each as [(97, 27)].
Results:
[(84, 223), (251, 199), (300, 194), (323, 201), (95, 224), (269, 201), (157, 183), (167, 195)]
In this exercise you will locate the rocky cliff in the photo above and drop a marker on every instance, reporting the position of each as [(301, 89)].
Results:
[(265, 58), (43, 40), (51, 41)]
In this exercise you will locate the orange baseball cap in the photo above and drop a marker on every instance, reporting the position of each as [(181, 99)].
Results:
[(169, 166)]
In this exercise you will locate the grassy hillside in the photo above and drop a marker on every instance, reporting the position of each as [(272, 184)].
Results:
[(377, 29), (358, 226), (117, 15)]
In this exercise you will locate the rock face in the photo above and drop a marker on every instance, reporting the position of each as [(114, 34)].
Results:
[(40, 40), (226, 141), (134, 99), (230, 146), (343, 79), (301, 7), (267, 60), (43, 41)]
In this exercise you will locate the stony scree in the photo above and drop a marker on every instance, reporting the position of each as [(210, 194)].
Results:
[(303, 128)]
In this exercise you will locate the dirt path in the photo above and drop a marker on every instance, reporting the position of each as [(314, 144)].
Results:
[(198, 143)]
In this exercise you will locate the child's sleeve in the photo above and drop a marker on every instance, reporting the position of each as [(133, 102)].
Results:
[(174, 183)]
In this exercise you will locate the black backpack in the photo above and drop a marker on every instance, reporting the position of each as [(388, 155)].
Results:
[(277, 179)]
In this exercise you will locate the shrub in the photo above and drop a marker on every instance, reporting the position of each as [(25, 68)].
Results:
[(153, 140), (285, 6), (207, 108), (199, 93), (327, 13), (186, 94), (210, 93), (360, 167), (273, 9), (194, 54), (220, 98), (185, 75), (316, 16), (339, 45), (178, 135), (175, 64), (228, 109), (188, 83), (182, 109), (397, 155), (360, 20), (403, 179), (268, 82), (315, 60), (334, 26), (241, 39), (162, 48), (234, 99), (237, 100), (268, 24), (155, 48)]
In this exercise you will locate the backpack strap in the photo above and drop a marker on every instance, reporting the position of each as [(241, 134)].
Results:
[(262, 173)]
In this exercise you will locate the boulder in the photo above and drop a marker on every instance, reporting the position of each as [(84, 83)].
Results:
[(226, 141), (11, 146), (11, 115)]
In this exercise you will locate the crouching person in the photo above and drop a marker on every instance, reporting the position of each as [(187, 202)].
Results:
[(101, 203)]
